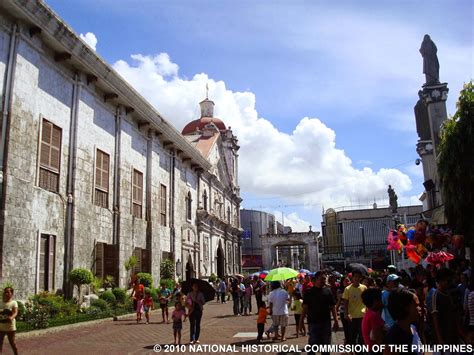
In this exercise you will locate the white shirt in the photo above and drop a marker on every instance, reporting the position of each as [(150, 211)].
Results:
[(279, 300)]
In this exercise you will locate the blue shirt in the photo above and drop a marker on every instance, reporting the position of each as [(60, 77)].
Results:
[(385, 313)]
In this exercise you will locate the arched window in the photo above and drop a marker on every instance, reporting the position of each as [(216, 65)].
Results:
[(188, 205), (204, 200)]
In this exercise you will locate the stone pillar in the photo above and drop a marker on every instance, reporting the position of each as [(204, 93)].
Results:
[(434, 97)]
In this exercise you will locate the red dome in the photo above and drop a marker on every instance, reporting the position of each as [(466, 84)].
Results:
[(199, 124)]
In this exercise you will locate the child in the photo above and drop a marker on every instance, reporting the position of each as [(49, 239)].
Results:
[(297, 306), (165, 295), (147, 306), (372, 323), (177, 317), (9, 310), (262, 318), (139, 307)]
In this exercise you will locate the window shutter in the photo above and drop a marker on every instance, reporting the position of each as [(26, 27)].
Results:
[(98, 172), (138, 255), (52, 252), (105, 172), (110, 261), (99, 260), (145, 254), (55, 158), (42, 263)]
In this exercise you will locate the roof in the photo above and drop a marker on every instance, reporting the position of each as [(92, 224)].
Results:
[(199, 124), (203, 143)]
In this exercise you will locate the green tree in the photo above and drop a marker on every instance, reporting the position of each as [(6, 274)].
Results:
[(167, 269), (80, 277), (456, 166)]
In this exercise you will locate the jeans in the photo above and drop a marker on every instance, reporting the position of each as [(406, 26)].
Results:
[(258, 297), (355, 329), (195, 325), (223, 297), (236, 301), (260, 329), (319, 334)]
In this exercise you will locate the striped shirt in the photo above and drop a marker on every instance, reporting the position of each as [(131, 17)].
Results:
[(470, 307)]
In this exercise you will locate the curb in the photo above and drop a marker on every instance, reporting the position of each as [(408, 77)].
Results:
[(39, 332)]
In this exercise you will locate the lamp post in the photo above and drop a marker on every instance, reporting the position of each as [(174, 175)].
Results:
[(363, 240)]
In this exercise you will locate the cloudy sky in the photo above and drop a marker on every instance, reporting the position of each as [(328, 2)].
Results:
[(320, 95)]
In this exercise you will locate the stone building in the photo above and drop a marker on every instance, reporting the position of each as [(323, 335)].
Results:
[(91, 173), (361, 235)]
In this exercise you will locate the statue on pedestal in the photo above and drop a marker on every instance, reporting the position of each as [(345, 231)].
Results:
[(393, 199), (428, 51)]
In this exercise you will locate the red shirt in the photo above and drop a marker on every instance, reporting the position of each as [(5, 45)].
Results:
[(371, 321), (306, 287)]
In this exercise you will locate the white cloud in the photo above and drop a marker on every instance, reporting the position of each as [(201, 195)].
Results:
[(294, 221), (90, 39), (303, 166)]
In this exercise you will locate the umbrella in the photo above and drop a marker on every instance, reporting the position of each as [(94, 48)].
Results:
[(305, 271), (204, 286), (301, 274), (337, 274), (359, 267), (240, 275), (281, 273)]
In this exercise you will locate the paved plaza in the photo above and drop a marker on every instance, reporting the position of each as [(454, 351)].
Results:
[(125, 336)]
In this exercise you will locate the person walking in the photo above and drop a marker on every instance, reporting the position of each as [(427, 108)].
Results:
[(177, 317), (195, 302), (235, 290), (258, 289), (392, 283), (8, 315), (278, 300), (354, 308), (261, 320), (165, 296), (223, 290), (318, 305)]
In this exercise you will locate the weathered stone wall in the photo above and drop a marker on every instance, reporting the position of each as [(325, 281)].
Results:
[(39, 91)]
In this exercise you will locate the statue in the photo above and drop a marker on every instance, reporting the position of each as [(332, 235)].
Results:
[(393, 199), (428, 51), (422, 120)]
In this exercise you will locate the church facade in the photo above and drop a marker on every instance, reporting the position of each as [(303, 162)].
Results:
[(92, 174)]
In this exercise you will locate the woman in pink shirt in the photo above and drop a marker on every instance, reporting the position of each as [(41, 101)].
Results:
[(372, 323)]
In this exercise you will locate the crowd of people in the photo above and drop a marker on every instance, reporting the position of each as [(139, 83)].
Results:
[(422, 305)]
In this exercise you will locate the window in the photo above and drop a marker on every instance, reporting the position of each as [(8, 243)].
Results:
[(50, 156), (143, 260), (105, 260), (204, 200), (163, 205), (101, 197), (46, 262), (189, 202), (228, 214), (137, 194)]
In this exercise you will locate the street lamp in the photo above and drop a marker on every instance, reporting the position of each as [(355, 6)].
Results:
[(363, 240), (178, 268)]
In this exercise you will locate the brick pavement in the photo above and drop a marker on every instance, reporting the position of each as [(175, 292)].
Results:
[(126, 337)]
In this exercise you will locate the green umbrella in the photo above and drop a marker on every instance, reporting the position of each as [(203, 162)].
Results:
[(281, 273)]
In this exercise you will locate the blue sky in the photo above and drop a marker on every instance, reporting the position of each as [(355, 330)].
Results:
[(352, 68)]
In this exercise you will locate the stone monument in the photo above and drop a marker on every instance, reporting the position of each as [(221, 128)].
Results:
[(393, 199), (430, 113)]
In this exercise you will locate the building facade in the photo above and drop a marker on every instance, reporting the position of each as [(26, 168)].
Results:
[(255, 223), (361, 235), (91, 173)]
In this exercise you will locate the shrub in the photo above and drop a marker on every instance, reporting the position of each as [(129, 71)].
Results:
[(109, 281), (96, 285), (21, 309), (169, 283), (120, 295), (109, 297), (154, 295), (80, 277), (213, 278), (35, 316), (145, 278), (167, 269), (54, 305), (100, 304)]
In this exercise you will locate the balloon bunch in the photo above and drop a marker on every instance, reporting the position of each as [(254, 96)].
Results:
[(411, 239), (420, 239), (438, 258)]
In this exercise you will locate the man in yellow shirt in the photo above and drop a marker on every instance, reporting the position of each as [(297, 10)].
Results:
[(354, 308)]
